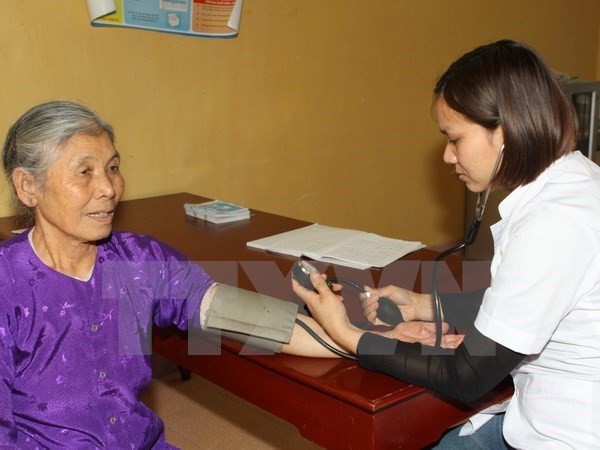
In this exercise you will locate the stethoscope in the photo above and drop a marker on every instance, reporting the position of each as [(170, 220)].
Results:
[(469, 239), (387, 310)]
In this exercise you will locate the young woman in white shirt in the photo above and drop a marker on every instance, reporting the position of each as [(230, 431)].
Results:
[(539, 320)]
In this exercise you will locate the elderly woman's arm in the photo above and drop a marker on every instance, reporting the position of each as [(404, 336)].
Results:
[(275, 325), (8, 431)]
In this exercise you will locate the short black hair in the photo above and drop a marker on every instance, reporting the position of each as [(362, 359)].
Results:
[(507, 84)]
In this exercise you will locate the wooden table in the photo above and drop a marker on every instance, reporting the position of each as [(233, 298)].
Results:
[(333, 402)]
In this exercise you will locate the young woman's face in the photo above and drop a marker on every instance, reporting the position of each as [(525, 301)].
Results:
[(471, 148)]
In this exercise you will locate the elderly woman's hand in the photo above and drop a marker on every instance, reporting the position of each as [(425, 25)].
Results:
[(328, 310)]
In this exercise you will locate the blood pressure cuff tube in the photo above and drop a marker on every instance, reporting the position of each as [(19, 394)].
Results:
[(248, 317)]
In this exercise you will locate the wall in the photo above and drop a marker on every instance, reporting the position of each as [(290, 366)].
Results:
[(319, 110), (598, 59)]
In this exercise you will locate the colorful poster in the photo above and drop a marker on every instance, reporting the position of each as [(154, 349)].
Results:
[(208, 18)]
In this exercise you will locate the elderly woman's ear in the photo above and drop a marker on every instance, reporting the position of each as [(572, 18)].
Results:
[(26, 187)]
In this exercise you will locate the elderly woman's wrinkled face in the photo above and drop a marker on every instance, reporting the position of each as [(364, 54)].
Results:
[(82, 189)]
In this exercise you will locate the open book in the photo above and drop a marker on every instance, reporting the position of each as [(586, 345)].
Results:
[(341, 246)]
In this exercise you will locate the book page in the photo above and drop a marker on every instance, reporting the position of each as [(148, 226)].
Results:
[(313, 241), (371, 250), (351, 248)]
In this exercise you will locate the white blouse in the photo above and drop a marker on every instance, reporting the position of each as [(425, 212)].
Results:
[(544, 301)]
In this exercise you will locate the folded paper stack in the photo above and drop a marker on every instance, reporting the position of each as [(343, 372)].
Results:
[(217, 211)]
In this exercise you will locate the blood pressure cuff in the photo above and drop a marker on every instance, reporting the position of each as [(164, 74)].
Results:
[(248, 317)]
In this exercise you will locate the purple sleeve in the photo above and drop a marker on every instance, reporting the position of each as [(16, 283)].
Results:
[(8, 430), (158, 280), (180, 295)]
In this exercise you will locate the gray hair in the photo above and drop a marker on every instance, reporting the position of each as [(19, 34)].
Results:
[(34, 141)]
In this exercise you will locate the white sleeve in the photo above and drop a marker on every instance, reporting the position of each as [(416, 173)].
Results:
[(539, 278)]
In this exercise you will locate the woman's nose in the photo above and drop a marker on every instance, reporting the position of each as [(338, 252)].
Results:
[(105, 186), (449, 155)]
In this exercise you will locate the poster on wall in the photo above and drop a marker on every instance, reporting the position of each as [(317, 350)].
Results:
[(207, 18)]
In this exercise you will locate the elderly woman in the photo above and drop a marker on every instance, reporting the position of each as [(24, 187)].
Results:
[(72, 367), (77, 299)]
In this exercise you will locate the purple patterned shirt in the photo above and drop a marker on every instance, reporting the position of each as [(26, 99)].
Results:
[(74, 354)]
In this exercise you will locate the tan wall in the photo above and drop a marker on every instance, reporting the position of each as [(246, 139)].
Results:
[(598, 60), (319, 110)]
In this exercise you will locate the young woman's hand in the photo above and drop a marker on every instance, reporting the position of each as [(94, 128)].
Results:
[(412, 305), (424, 333)]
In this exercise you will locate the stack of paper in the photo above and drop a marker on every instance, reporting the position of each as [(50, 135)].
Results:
[(350, 248), (217, 211)]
